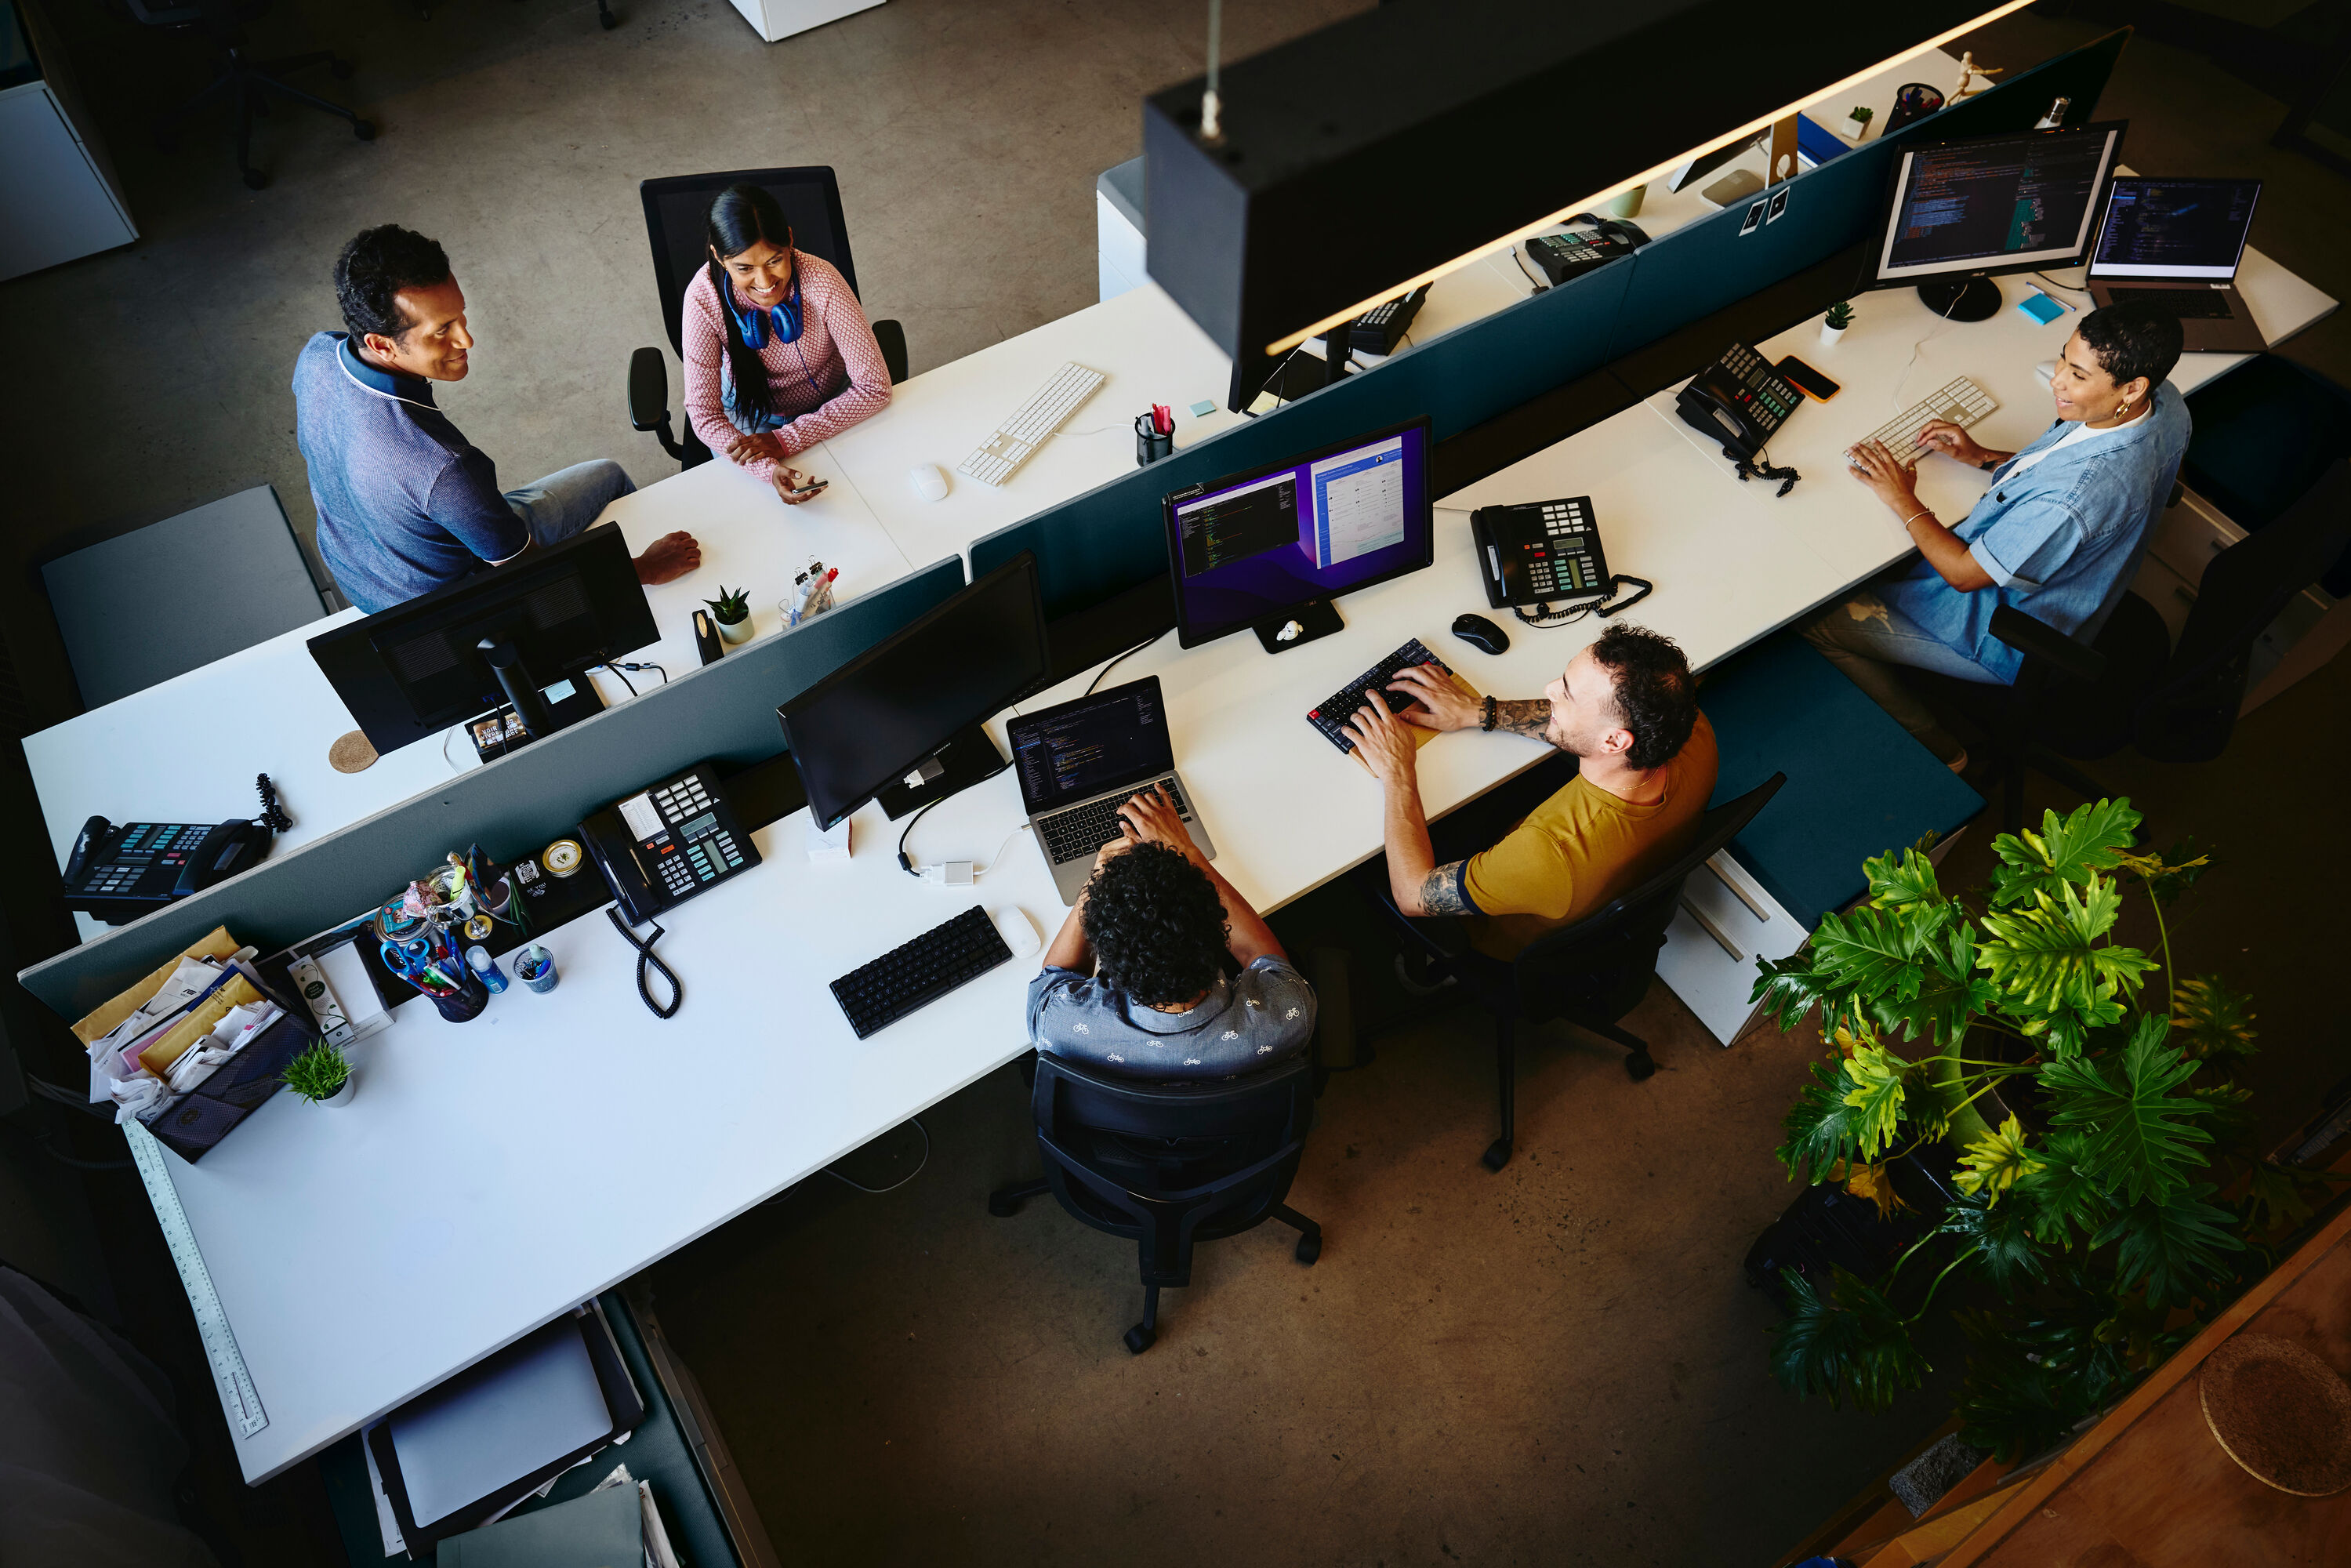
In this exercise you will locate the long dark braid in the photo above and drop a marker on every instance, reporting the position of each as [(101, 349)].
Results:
[(741, 217)]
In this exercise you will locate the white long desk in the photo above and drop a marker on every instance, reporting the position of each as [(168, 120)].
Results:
[(438, 1218)]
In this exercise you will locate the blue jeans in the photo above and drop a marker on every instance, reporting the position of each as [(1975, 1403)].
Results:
[(568, 500), (1867, 639)]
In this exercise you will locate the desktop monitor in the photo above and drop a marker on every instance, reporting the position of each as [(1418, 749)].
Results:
[(515, 633), (1958, 212), (1260, 548), (901, 723)]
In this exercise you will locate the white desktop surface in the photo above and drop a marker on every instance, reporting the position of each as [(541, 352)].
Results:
[(438, 1218)]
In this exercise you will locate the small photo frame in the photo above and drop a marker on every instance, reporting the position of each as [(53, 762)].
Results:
[(1779, 205), (1754, 219)]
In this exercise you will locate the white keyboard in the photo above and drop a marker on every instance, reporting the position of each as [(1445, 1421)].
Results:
[(1960, 400), (1025, 428)]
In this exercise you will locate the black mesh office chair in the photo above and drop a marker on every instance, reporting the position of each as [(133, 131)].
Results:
[(1170, 1163), (677, 218), (242, 79), (1590, 974)]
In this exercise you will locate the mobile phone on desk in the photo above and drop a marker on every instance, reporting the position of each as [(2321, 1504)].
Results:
[(1806, 380)]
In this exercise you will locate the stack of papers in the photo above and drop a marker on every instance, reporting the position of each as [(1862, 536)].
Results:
[(161, 1038)]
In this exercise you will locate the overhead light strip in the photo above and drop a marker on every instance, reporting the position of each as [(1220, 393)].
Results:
[(1283, 345)]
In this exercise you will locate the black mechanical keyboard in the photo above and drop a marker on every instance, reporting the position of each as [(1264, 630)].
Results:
[(2201, 304), (1331, 715), (913, 974), (1077, 833)]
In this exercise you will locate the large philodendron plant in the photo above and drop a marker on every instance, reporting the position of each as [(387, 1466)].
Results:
[(2091, 1209)]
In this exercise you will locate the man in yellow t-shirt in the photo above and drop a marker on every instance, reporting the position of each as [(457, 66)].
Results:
[(1642, 757)]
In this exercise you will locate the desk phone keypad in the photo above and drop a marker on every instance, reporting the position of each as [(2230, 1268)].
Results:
[(145, 846), (698, 848), (1770, 395), (1567, 567)]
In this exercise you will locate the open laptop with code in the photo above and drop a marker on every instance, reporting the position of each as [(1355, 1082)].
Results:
[(2176, 245), (1080, 761)]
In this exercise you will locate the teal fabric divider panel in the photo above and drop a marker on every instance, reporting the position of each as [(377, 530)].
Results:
[(1112, 537), (514, 805), (1858, 785)]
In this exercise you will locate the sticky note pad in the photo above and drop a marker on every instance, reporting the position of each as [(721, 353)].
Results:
[(1204, 408), (2041, 307)]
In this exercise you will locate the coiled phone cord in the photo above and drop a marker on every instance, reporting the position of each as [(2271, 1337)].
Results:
[(645, 959)]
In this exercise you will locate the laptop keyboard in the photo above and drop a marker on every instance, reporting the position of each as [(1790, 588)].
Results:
[(1082, 830), (1331, 715), (2188, 304)]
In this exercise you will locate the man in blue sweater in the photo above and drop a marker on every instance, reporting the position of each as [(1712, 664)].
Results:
[(406, 505)]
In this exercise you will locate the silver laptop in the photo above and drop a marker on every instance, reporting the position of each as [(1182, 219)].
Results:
[(1080, 761), (2176, 245)]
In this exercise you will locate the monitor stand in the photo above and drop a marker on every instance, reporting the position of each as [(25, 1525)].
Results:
[(497, 732), (968, 756), (1315, 618), (1962, 298)]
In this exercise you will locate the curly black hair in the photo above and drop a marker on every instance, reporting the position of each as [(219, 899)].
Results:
[(2131, 340), (1655, 694), (1155, 925), (376, 266)]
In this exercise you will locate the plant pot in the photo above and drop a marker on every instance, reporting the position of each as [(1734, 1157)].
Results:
[(1832, 336), (341, 1096), (1628, 205), (1854, 129), (734, 630)]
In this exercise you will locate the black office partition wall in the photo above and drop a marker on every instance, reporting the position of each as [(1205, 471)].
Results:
[(1110, 539), (511, 806)]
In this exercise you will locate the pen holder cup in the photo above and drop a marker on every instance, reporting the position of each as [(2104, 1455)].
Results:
[(466, 1002), (1150, 447)]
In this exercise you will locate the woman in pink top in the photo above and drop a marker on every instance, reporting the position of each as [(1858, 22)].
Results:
[(778, 354)]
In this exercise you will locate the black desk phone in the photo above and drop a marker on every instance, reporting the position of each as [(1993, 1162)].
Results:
[(668, 841), (1740, 401), (117, 874), (1562, 257), (1542, 552)]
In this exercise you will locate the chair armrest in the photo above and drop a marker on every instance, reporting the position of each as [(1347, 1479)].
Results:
[(2036, 639), (648, 391), (891, 339)]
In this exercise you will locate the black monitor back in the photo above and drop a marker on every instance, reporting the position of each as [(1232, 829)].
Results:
[(677, 221)]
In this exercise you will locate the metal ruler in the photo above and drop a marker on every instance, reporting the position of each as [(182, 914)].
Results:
[(238, 1397)]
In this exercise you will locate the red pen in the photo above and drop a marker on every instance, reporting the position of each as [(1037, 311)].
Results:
[(1161, 420)]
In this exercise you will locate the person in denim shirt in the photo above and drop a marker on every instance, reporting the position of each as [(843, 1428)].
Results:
[(2059, 535)]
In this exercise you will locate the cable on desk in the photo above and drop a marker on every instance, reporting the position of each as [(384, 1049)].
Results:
[(2065, 287), (624, 680), (1540, 285), (273, 815), (877, 1191), (1115, 664), (646, 959), (996, 860)]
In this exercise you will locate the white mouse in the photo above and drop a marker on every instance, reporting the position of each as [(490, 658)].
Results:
[(1012, 924), (2047, 370), (928, 482)]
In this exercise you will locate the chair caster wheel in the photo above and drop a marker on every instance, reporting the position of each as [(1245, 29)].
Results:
[(363, 129), (340, 69), (1640, 1067), (1003, 1207), (1496, 1154), (1140, 1339), (255, 179), (1310, 1248)]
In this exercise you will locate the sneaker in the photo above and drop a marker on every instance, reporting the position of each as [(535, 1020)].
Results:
[(1420, 984)]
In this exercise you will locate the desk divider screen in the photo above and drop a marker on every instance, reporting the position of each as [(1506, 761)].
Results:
[(514, 805), (1111, 540)]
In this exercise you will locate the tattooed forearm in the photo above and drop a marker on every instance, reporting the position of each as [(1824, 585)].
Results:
[(1527, 718), (1440, 891)]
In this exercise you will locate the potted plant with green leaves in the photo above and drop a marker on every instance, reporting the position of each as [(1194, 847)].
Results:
[(1857, 124), (320, 1074), (732, 611), (2079, 1094), (1834, 324)]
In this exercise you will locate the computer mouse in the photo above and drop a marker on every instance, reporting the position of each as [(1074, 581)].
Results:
[(1020, 934), (928, 482), (2047, 370), (1482, 633)]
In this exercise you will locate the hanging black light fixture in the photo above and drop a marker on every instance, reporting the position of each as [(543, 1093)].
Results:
[(1342, 168)]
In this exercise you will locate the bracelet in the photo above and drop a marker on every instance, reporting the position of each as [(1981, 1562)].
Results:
[(1489, 723), (1922, 512)]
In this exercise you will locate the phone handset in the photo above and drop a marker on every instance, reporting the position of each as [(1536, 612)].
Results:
[(1740, 403)]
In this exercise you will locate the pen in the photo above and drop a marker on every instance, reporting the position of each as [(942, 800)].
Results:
[(1161, 420)]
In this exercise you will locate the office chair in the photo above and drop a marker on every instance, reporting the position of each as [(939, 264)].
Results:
[(242, 78), (1170, 1163), (678, 217), (1590, 974), (2265, 435)]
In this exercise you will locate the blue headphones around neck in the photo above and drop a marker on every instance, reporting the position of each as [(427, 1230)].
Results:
[(753, 323)]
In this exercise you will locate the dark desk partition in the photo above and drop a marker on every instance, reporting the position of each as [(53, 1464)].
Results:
[(514, 805)]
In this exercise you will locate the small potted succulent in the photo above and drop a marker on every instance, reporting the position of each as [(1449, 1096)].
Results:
[(321, 1074), (1857, 124), (732, 611), (1834, 324)]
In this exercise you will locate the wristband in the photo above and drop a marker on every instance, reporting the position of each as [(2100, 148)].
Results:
[(1489, 722)]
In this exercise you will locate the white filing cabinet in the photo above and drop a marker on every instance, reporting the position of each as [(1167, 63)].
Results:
[(774, 19), (59, 197), (2312, 629)]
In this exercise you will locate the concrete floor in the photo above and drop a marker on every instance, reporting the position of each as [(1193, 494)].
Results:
[(1556, 1364)]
